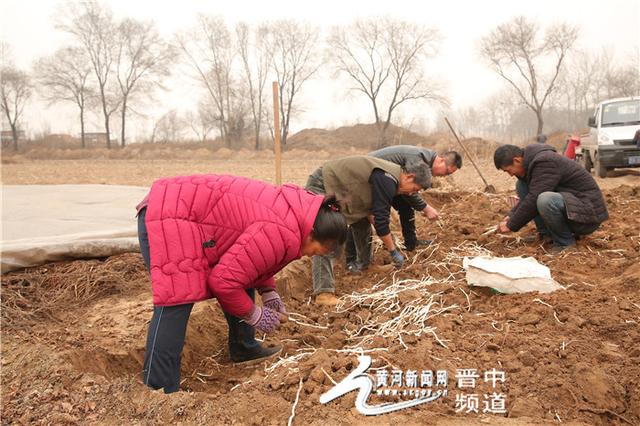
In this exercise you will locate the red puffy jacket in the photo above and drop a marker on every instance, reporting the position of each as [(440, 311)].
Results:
[(215, 236)]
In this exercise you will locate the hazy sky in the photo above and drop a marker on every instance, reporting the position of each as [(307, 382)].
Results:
[(27, 26)]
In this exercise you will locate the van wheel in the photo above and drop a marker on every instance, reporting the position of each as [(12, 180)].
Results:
[(601, 171)]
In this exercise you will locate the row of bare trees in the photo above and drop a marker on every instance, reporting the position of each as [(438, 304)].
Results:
[(548, 75), (117, 67)]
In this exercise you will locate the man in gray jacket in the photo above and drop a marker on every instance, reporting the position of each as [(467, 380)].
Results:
[(358, 250)]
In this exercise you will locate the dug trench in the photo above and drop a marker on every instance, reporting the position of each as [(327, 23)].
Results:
[(74, 334)]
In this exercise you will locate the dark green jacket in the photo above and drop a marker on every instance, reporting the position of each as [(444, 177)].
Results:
[(348, 179)]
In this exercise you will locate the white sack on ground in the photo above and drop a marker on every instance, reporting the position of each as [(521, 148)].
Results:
[(47, 223), (509, 274)]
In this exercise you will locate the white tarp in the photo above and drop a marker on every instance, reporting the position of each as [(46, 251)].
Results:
[(47, 223), (509, 274)]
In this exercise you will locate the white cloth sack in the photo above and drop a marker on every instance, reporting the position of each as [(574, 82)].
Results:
[(509, 274), (48, 223)]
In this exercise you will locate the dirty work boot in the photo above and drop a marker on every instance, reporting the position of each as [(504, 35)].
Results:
[(243, 346), (326, 299), (380, 269), (537, 238), (409, 246), (560, 249)]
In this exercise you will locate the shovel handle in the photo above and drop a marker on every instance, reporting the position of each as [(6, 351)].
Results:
[(466, 152)]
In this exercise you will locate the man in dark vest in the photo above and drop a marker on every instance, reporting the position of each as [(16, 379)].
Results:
[(555, 192), (364, 186), (439, 165)]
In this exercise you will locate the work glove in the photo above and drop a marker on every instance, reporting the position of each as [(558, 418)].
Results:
[(264, 319), (397, 257), (272, 300)]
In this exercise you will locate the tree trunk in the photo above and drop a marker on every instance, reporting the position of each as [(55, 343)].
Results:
[(82, 139), (257, 131), (382, 131), (107, 131), (14, 133), (540, 122), (106, 116), (124, 115)]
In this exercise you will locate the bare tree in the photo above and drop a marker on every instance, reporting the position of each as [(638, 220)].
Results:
[(210, 52), (517, 51), (623, 80), (255, 59), (295, 60), (15, 91), (384, 59), (169, 128), (143, 60), (203, 121), (94, 28), (65, 78)]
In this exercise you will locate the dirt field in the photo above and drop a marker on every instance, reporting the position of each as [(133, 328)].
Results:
[(73, 333)]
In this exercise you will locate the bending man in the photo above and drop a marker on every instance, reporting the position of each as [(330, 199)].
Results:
[(365, 186), (438, 165)]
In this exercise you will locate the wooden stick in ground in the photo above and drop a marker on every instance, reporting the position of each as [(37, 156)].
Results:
[(276, 131), (468, 154)]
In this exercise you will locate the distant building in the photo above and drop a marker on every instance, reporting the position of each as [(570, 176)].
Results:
[(97, 138), (6, 136), (61, 139)]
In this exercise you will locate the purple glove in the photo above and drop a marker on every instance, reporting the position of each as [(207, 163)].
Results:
[(272, 300), (264, 319)]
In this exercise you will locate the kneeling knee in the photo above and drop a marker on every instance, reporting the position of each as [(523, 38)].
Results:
[(547, 201)]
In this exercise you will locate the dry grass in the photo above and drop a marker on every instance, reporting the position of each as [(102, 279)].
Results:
[(39, 293)]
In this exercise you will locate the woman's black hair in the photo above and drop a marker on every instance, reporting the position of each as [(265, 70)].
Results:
[(330, 226)]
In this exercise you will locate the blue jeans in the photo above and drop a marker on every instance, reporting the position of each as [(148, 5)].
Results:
[(552, 217), (168, 328)]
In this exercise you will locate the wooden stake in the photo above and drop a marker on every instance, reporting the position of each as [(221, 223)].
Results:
[(276, 132)]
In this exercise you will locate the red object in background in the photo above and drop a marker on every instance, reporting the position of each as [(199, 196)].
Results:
[(570, 150)]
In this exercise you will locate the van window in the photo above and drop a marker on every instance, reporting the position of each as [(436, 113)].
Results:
[(621, 113)]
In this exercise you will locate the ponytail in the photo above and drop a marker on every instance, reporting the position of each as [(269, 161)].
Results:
[(330, 226)]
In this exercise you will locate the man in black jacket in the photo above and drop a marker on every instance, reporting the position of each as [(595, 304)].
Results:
[(560, 196)]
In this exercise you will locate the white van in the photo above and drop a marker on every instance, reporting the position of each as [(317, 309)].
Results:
[(610, 141)]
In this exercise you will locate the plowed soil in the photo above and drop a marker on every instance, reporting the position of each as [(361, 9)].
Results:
[(73, 333)]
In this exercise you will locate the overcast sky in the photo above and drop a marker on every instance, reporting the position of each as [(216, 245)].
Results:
[(27, 26)]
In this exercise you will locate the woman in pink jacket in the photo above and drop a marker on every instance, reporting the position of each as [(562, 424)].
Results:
[(207, 236)]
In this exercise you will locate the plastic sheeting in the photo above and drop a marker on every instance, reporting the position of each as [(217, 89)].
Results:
[(48, 223), (509, 274)]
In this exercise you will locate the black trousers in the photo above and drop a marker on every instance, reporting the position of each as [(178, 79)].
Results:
[(168, 328), (358, 245)]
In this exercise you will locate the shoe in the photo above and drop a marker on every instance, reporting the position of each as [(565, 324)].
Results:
[(558, 248), (354, 268), (380, 269), (537, 238), (326, 299), (260, 354), (412, 247)]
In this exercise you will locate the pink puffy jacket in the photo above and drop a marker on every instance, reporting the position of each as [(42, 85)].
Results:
[(215, 236)]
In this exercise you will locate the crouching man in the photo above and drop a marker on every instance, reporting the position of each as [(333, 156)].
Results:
[(556, 193)]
